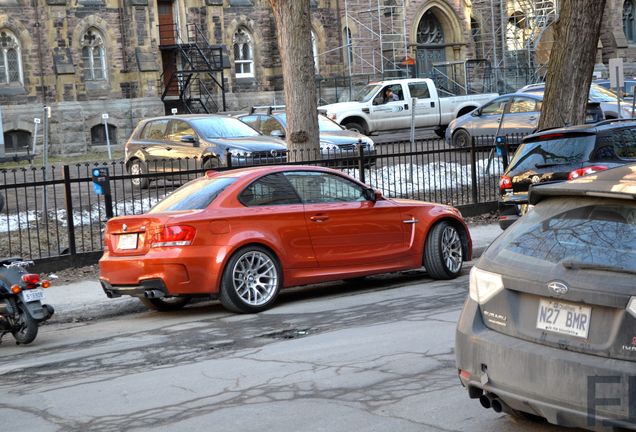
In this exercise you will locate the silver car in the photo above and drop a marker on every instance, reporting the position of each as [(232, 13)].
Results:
[(486, 120)]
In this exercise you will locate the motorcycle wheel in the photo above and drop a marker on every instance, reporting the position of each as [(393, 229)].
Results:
[(25, 328)]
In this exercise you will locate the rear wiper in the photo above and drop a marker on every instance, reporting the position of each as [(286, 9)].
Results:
[(577, 265), (546, 165)]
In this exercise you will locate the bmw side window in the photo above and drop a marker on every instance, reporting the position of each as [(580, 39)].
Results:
[(273, 189), (316, 187), (155, 130)]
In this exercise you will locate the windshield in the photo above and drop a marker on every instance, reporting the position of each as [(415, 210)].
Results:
[(195, 195), (366, 93), (571, 150), (575, 232), (324, 124), (223, 127)]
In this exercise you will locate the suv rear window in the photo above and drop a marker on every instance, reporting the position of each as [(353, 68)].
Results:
[(196, 195), (561, 151), (591, 231)]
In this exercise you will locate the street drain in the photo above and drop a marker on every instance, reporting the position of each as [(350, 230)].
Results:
[(287, 334)]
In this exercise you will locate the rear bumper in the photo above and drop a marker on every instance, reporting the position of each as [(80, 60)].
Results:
[(174, 271), (567, 388)]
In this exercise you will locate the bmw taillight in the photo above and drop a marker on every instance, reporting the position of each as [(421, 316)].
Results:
[(585, 171), (505, 182), (174, 235)]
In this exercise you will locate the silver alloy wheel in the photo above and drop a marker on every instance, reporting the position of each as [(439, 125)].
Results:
[(452, 249), (135, 170), (255, 278)]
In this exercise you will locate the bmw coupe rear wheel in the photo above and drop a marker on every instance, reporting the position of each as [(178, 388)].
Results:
[(251, 280), (443, 256)]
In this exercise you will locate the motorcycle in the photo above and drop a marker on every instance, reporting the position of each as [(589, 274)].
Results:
[(21, 294)]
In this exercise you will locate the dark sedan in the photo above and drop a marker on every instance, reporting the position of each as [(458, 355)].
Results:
[(209, 138)]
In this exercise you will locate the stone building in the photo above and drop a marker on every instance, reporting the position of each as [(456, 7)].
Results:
[(132, 59)]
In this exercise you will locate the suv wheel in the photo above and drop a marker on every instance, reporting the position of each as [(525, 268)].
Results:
[(138, 167)]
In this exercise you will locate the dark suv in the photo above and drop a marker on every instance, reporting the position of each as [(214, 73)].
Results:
[(206, 137), (563, 154)]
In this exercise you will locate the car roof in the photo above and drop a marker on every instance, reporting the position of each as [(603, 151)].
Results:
[(186, 117), (589, 128), (618, 183), (270, 169)]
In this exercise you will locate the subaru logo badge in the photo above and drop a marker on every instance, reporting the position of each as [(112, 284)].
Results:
[(124, 227), (535, 179), (558, 287)]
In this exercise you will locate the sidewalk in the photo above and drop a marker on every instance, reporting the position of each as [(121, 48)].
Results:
[(82, 301)]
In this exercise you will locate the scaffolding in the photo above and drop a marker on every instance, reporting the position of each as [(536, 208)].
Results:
[(376, 40), (516, 37)]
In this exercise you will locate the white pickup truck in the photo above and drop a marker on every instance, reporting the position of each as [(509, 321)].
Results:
[(369, 111)]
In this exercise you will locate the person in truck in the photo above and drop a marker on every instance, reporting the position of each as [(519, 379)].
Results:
[(389, 96)]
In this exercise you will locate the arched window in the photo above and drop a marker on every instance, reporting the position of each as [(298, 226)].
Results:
[(17, 141), (314, 49), (98, 135), (243, 54), (629, 20), (93, 55), (10, 58), (349, 45)]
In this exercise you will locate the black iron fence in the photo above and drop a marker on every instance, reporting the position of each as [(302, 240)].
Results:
[(53, 214)]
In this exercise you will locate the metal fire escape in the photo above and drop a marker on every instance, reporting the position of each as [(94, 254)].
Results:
[(193, 81)]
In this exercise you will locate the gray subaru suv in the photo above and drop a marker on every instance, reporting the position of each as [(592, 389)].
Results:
[(549, 326)]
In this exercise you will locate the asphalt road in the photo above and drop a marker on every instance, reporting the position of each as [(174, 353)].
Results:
[(376, 356)]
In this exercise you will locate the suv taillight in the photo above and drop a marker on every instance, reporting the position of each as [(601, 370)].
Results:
[(585, 171), (175, 235), (505, 182)]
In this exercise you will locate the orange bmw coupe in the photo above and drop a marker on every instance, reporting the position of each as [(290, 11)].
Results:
[(245, 234)]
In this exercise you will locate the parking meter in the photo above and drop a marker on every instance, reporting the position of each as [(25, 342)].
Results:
[(100, 180), (501, 147)]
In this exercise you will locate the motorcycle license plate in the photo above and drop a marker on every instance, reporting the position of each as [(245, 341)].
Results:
[(33, 295), (564, 318), (127, 241)]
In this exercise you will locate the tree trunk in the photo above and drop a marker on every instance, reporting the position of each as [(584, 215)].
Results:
[(576, 34), (293, 23)]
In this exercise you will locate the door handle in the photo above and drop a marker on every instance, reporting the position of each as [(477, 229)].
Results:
[(168, 148), (410, 221), (432, 104), (406, 106), (318, 218)]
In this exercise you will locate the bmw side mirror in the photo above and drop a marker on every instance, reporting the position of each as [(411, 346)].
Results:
[(277, 133), (371, 195)]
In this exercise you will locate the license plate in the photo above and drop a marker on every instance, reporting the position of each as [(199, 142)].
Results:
[(33, 295), (564, 318), (127, 241)]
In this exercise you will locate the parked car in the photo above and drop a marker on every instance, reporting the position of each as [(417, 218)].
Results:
[(549, 326), (520, 113), (368, 112), (522, 118), (204, 136), (606, 98), (563, 154), (335, 141), (242, 235)]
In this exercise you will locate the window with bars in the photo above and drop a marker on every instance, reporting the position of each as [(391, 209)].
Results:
[(243, 54), (93, 58), (10, 61), (629, 20)]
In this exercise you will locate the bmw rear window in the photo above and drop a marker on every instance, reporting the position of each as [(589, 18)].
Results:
[(584, 231), (196, 195), (561, 151)]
